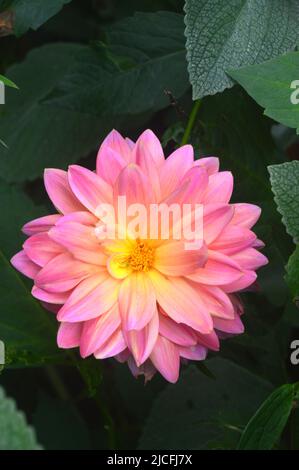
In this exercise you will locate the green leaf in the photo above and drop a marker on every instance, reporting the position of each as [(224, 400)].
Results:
[(7, 82), (33, 13), (200, 412), (265, 427), (144, 55), (285, 186), (228, 35), (293, 274), (28, 331), (15, 434), (273, 86), (40, 136)]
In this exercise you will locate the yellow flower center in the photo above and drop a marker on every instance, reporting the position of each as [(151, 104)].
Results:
[(141, 257)]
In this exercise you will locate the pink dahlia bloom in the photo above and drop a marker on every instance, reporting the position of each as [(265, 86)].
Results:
[(149, 302)]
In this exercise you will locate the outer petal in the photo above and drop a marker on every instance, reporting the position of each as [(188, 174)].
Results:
[(137, 301), (246, 215), (141, 342), (218, 270), (233, 239), (91, 298), (63, 273), (195, 353), (234, 326), (133, 184), (113, 346), (181, 302), (218, 302), (69, 335), (174, 168), (210, 341), (89, 188), (247, 278), (165, 357), (211, 164), (50, 297), (59, 191), (220, 188), (215, 218), (42, 224), (148, 149), (22, 263), (98, 330), (109, 164), (41, 249), (250, 259), (117, 144), (176, 332)]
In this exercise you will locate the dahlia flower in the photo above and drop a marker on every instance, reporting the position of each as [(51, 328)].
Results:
[(150, 302)]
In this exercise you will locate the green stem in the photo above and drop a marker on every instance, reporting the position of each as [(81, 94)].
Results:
[(191, 122)]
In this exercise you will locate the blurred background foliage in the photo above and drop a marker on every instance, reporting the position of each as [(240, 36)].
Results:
[(82, 68)]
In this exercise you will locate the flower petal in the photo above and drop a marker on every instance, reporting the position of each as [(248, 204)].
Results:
[(176, 332), (42, 224), (215, 218), (181, 302), (220, 188), (89, 188), (59, 191), (172, 259), (195, 353), (246, 215), (63, 273), (141, 342), (90, 299), (69, 335), (137, 301), (219, 270), (165, 357), (174, 168), (113, 346), (211, 164), (233, 238), (22, 263), (41, 249), (98, 330), (50, 297)]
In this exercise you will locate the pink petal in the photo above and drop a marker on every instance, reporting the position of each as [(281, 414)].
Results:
[(137, 301), (22, 263), (211, 164), (195, 353), (148, 150), (215, 218), (81, 217), (234, 326), (217, 302), (181, 302), (141, 342), (250, 259), (118, 144), (165, 357), (112, 347), (80, 240), (210, 341), (59, 191), (174, 168), (63, 273), (42, 224), (50, 297), (147, 369), (172, 259), (69, 335), (198, 182), (233, 238), (98, 330), (133, 184), (41, 249), (176, 332), (246, 215), (109, 164), (218, 270), (247, 278), (89, 188), (220, 188), (90, 299)]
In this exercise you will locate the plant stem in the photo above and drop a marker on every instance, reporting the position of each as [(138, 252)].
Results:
[(191, 122)]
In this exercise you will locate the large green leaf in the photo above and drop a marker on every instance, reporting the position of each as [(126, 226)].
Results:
[(265, 427), (31, 13), (27, 330), (40, 136), (293, 274), (223, 35), (272, 84), (144, 55), (200, 412), (15, 434), (285, 186)]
